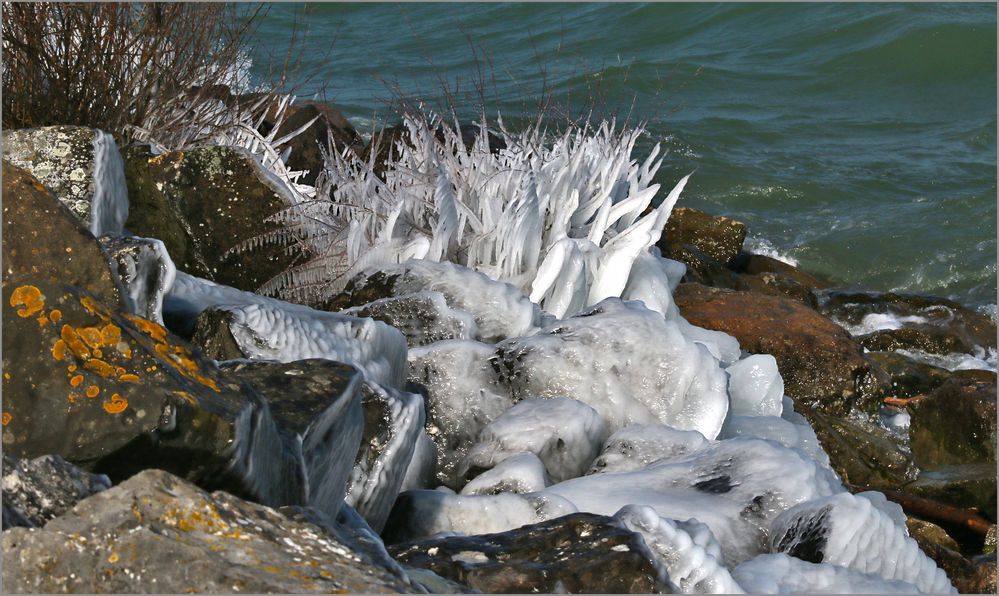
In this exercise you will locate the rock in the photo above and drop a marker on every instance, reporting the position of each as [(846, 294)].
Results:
[(861, 452), (213, 335), (383, 147), (81, 165), (936, 318), (317, 404), (960, 485), (983, 579), (146, 271), (470, 133), (158, 533), (581, 552), (393, 421), (774, 284), (752, 264), (956, 424), (115, 394), (204, 203), (637, 446), (818, 361), (330, 123), (719, 237), (925, 533), (925, 339), (44, 242), (40, 489), (423, 317), (898, 375)]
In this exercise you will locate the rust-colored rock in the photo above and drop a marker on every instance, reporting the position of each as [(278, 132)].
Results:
[(820, 364)]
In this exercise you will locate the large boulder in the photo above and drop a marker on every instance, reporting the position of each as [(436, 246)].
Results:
[(158, 533), (44, 242), (116, 393), (37, 490), (956, 424), (81, 165), (204, 203), (577, 553), (820, 364)]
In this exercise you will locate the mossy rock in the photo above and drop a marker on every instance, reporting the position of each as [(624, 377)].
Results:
[(956, 424), (204, 203)]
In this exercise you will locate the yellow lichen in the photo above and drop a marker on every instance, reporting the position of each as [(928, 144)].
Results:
[(116, 405), (28, 300), (113, 558), (6, 376), (55, 315)]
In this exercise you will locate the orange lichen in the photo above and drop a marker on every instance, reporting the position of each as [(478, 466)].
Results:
[(91, 335), (28, 300), (93, 391), (6, 418), (113, 558), (72, 397), (59, 350), (76, 381), (129, 378), (150, 328), (180, 359), (42, 320), (71, 368), (100, 367), (110, 334), (186, 397), (55, 315), (74, 343), (6, 375), (116, 405), (95, 308), (98, 354)]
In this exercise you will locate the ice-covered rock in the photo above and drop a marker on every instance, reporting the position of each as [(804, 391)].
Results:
[(499, 309), (422, 469), (393, 421), (781, 574), (271, 329), (755, 386), (423, 317), (687, 550), (795, 436), (564, 433), (735, 487), (859, 533), (627, 362), (523, 473), (421, 513), (146, 271), (462, 398), (638, 445)]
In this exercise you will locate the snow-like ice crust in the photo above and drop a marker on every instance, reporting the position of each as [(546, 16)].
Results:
[(687, 550), (755, 386), (860, 532), (109, 205), (522, 473), (781, 574), (270, 329), (636, 446), (423, 317), (627, 362), (564, 433)]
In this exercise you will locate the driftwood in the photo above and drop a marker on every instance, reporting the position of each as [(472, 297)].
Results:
[(934, 511)]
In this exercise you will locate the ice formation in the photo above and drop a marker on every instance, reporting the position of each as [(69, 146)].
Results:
[(564, 433), (109, 205), (523, 473), (146, 271), (271, 329), (636, 446), (788, 434), (860, 533), (423, 317), (755, 386), (374, 484), (687, 550), (781, 574), (627, 362)]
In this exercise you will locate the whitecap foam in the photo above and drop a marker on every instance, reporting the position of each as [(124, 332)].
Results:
[(762, 246)]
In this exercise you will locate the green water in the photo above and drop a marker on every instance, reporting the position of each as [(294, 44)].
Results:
[(857, 139)]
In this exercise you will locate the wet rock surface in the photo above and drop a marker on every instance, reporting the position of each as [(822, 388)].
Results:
[(37, 490), (581, 552), (305, 147), (820, 364), (718, 237), (955, 424), (131, 538), (202, 204)]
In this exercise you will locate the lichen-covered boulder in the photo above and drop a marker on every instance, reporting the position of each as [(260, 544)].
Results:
[(44, 241), (204, 202), (820, 363), (116, 393), (81, 165), (37, 490), (577, 553), (158, 533)]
